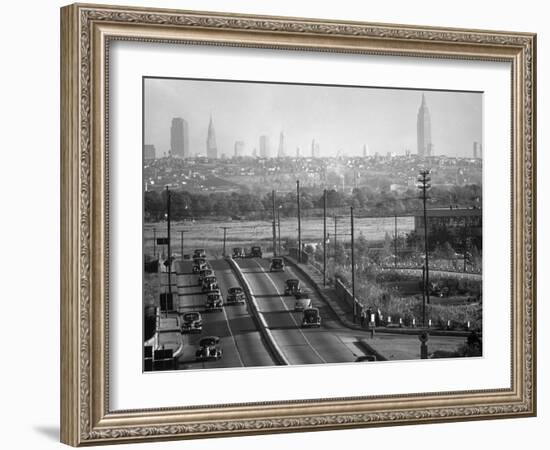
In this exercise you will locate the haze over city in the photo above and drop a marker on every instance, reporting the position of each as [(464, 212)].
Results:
[(341, 120)]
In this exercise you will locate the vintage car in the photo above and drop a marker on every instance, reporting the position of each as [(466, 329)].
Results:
[(277, 265), (235, 295), (303, 301), (311, 318), (238, 252), (209, 348), (364, 358), (206, 272), (214, 301), (199, 253), (191, 322), (198, 266), (256, 252), (208, 283), (292, 286)]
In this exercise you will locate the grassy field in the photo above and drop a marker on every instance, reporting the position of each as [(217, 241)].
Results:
[(208, 234)]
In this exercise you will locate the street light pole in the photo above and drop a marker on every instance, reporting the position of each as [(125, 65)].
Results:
[(395, 242), (299, 221), (169, 252), (273, 223), (424, 185), (224, 238), (353, 267), (325, 237)]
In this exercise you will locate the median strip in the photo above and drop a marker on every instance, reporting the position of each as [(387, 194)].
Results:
[(274, 348)]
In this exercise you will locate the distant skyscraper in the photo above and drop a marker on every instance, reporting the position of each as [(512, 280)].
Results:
[(149, 152), (424, 130), (477, 150), (365, 151), (239, 149), (179, 138), (211, 147), (297, 152), (264, 146), (314, 149), (281, 152)]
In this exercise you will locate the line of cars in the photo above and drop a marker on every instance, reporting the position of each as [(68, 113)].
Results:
[(209, 346), (310, 315)]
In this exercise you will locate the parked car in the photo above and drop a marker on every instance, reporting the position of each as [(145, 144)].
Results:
[(238, 252), (199, 253), (311, 318), (235, 295), (277, 265), (191, 322), (292, 286), (209, 348), (214, 301), (256, 252), (208, 283)]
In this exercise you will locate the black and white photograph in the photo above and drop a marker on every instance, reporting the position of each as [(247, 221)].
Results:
[(291, 224)]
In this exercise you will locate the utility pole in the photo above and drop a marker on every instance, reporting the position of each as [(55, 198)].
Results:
[(169, 252), (154, 243), (299, 221), (181, 242), (353, 267), (274, 229), (325, 237), (335, 234), (224, 238), (395, 242), (279, 227), (424, 184)]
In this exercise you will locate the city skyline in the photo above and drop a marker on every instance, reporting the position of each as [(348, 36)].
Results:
[(341, 120)]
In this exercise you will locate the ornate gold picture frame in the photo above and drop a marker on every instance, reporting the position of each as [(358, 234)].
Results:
[(87, 31)]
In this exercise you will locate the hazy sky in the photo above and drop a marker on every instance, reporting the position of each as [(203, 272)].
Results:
[(339, 118)]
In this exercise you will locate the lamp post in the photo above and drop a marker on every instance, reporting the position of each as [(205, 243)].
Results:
[(353, 267), (279, 226)]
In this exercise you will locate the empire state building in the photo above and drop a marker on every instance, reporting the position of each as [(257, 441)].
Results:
[(424, 130)]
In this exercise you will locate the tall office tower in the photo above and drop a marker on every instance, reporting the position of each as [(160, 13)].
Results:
[(477, 150), (179, 138), (211, 148), (264, 146), (281, 152), (314, 149), (424, 130), (365, 151), (297, 152), (239, 149), (149, 152)]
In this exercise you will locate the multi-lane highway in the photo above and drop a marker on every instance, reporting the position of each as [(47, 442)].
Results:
[(241, 328), (331, 343)]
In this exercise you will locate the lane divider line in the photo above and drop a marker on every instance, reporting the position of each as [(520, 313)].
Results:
[(290, 313)]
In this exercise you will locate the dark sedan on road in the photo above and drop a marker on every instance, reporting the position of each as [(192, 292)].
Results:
[(208, 283), (256, 252), (235, 295), (292, 286), (199, 253), (191, 322), (213, 301), (277, 265), (209, 348), (311, 318), (205, 273)]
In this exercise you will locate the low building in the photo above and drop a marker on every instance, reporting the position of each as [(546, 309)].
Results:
[(455, 220)]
